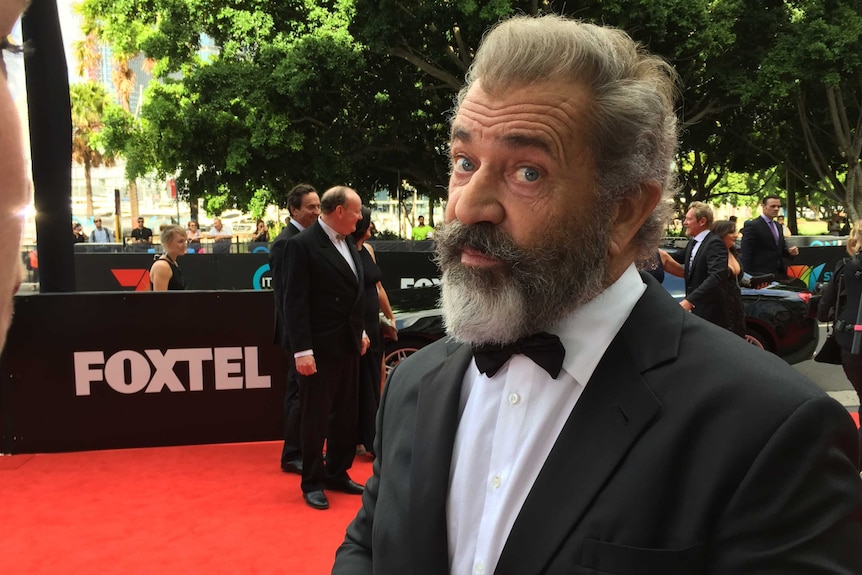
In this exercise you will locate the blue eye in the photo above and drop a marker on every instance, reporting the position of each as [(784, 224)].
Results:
[(464, 165), (529, 174)]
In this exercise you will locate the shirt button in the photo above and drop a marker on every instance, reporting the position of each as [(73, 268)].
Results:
[(496, 482), (480, 567), (514, 398)]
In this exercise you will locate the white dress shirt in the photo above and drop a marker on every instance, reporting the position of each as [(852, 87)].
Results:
[(510, 422), (340, 244), (699, 239)]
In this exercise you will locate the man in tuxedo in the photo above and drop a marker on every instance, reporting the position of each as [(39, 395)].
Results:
[(763, 244), (323, 314), (303, 203), (577, 420), (705, 267)]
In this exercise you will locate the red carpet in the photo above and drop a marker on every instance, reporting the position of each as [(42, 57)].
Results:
[(197, 509), (172, 510)]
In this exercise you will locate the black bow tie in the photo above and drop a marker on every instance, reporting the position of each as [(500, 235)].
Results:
[(543, 348)]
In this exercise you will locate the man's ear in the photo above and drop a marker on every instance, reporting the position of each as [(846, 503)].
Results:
[(631, 212)]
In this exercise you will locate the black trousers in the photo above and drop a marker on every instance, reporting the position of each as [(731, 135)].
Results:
[(291, 450), (328, 413)]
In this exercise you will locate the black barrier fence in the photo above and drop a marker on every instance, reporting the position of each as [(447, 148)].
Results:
[(405, 264), (113, 370), (410, 266)]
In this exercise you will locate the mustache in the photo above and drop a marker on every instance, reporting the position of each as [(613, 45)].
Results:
[(487, 239)]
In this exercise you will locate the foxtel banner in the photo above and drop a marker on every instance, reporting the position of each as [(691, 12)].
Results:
[(115, 370)]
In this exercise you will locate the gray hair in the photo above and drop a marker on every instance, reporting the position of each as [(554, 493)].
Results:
[(632, 126)]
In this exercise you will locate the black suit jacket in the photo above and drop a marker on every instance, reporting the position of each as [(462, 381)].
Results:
[(276, 254), (322, 296), (689, 452), (760, 254), (704, 279)]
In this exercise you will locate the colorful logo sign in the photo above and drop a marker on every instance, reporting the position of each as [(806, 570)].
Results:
[(808, 274), (262, 279), (138, 279)]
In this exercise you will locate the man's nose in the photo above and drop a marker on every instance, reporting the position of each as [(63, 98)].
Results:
[(478, 200)]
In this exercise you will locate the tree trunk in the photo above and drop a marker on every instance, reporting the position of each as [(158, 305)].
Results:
[(854, 193), (88, 186), (791, 206), (133, 198)]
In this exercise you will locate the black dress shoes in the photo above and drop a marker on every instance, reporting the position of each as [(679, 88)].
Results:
[(345, 486), (316, 499), (294, 466)]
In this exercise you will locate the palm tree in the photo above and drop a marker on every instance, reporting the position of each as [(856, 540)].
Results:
[(88, 57), (88, 104)]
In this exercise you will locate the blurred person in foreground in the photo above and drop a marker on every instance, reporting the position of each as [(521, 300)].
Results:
[(165, 274), (623, 435), (844, 304), (371, 365), (13, 179)]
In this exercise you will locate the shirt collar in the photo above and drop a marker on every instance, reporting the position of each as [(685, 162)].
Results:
[(766, 219), (587, 332), (297, 225), (332, 234), (699, 237)]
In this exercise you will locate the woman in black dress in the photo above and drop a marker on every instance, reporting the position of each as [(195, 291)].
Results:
[(735, 311), (371, 364), (165, 274)]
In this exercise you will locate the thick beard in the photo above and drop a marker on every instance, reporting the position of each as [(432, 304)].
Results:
[(530, 290)]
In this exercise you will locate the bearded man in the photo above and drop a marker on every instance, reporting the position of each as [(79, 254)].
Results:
[(577, 419)]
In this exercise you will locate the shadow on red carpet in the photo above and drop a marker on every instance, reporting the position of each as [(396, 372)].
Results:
[(171, 510)]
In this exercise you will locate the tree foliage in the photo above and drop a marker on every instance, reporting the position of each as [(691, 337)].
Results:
[(358, 91), (89, 101)]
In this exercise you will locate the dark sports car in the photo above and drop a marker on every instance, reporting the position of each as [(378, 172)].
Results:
[(778, 319)]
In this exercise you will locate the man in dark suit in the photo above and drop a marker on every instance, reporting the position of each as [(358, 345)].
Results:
[(577, 420), (763, 244), (304, 206), (704, 263), (323, 314)]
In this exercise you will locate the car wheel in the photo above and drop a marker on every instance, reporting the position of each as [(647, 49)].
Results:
[(396, 351), (755, 336)]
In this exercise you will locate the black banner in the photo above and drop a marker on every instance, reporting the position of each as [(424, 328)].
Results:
[(98, 271), (104, 371)]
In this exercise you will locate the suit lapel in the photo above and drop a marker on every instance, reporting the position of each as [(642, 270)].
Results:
[(689, 260), (436, 423), (331, 255), (617, 406)]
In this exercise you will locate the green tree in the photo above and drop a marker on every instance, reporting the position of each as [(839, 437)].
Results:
[(89, 101), (809, 88)]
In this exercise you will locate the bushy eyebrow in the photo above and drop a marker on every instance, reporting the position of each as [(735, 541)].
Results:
[(513, 141)]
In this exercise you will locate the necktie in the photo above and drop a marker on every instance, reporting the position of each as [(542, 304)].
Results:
[(339, 237), (691, 255), (774, 230), (543, 348)]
